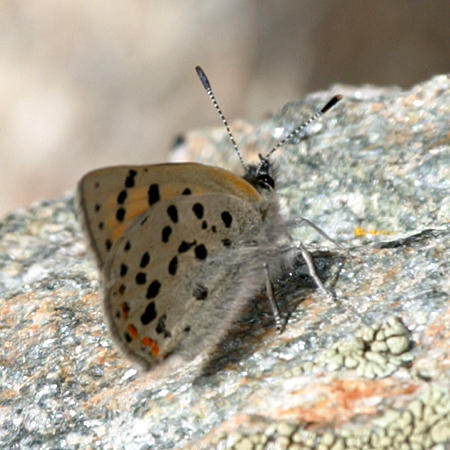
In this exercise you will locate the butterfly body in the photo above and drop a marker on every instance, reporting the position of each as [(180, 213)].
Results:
[(183, 247), (180, 248)]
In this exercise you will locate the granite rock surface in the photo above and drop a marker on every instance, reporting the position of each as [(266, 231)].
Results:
[(368, 371)]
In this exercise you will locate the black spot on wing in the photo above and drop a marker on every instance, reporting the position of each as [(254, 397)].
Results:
[(123, 270), (227, 218), (130, 179), (173, 265), (201, 252), (185, 246), (200, 292), (172, 213), (226, 242), (122, 196), (141, 278), (120, 214), (149, 314), (153, 289), (153, 194), (198, 210), (145, 260), (166, 232), (161, 327)]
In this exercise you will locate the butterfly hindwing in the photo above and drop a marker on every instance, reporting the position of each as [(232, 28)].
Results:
[(173, 277), (110, 199)]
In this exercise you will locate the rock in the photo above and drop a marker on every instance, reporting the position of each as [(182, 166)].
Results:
[(374, 175)]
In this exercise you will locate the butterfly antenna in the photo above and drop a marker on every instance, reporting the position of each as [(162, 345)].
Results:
[(302, 127), (210, 93)]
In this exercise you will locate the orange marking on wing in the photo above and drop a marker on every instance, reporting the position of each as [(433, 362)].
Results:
[(117, 232), (125, 309), (135, 205), (132, 331), (133, 209), (151, 344), (242, 185), (172, 190), (208, 180)]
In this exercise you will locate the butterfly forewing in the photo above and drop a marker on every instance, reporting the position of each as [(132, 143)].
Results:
[(110, 199), (171, 271)]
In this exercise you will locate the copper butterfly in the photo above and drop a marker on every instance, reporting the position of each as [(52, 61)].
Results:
[(182, 248)]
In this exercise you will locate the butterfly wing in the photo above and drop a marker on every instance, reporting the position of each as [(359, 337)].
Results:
[(174, 281), (110, 199)]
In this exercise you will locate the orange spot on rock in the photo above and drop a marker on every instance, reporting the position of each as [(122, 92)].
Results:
[(151, 344), (132, 331), (341, 400), (358, 232)]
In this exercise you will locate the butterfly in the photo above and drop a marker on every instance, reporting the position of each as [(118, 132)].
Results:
[(183, 247)]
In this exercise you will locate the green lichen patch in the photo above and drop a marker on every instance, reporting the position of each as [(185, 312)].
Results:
[(376, 351)]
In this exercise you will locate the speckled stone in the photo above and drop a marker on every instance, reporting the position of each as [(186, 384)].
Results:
[(370, 369)]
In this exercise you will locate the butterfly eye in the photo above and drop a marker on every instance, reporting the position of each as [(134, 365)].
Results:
[(266, 182)]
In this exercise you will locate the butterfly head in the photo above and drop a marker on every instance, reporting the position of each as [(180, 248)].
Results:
[(261, 176)]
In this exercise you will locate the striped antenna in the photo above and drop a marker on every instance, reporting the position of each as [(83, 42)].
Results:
[(210, 93), (302, 127)]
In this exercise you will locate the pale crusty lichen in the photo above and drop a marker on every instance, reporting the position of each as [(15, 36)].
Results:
[(375, 352), (423, 424)]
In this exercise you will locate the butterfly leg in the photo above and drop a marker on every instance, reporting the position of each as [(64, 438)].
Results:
[(280, 320), (308, 258), (312, 271)]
